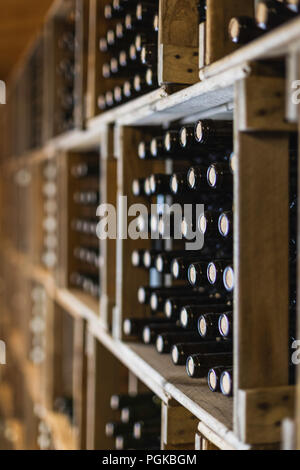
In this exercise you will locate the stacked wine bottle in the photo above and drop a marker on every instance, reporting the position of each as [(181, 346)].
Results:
[(86, 255), (50, 222), (139, 423), (269, 15), (65, 75), (191, 316), (130, 50)]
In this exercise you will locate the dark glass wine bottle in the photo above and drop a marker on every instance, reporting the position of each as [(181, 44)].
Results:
[(181, 351), (198, 365)]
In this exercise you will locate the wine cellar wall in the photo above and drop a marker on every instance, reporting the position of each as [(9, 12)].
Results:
[(185, 335)]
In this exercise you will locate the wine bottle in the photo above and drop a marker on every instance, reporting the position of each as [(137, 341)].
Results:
[(215, 271), (159, 296), (228, 278), (214, 377), (197, 178), (137, 258), (173, 305), (151, 331), (190, 314), (181, 351), (208, 223), (219, 177), (160, 184), (147, 429), (145, 10), (271, 13), (149, 258), (198, 365), (114, 429), (130, 443), (243, 29), (197, 274), (208, 325), (118, 402), (165, 341), (146, 410), (85, 170), (149, 55), (135, 326), (225, 225), (225, 324), (226, 382), (179, 185), (213, 133)]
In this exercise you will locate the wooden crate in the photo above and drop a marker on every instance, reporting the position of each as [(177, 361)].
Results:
[(177, 48)]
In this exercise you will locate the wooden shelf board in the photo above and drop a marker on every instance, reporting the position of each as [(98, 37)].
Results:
[(277, 43), (166, 380)]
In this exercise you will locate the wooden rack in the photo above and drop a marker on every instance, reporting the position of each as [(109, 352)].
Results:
[(83, 335)]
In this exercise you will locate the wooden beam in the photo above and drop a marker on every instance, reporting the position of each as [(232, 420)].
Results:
[(179, 426), (262, 411), (262, 104), (261, 201), (178, 42)]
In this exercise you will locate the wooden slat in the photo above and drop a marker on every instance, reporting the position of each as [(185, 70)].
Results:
[(262, 412), (261, 104), (108, 190), (178, 42), (261, 261), (80, 381), (178, 426), (106, 376)]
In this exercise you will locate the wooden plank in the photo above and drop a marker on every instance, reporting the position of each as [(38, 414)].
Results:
[(106, 376), (178, 425), (261, 195), (178, 42), (213, 438), (261, 104), (80, 381), (108, 189), (262, 411), (218, 16)]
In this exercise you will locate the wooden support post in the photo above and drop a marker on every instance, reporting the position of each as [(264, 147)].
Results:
[(178, 42), (178, 426), (261, 233), (106, 376), (80, 381), (262, 411), (108, 191)]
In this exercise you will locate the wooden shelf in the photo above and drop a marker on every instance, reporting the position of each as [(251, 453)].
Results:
[(166, 380)]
